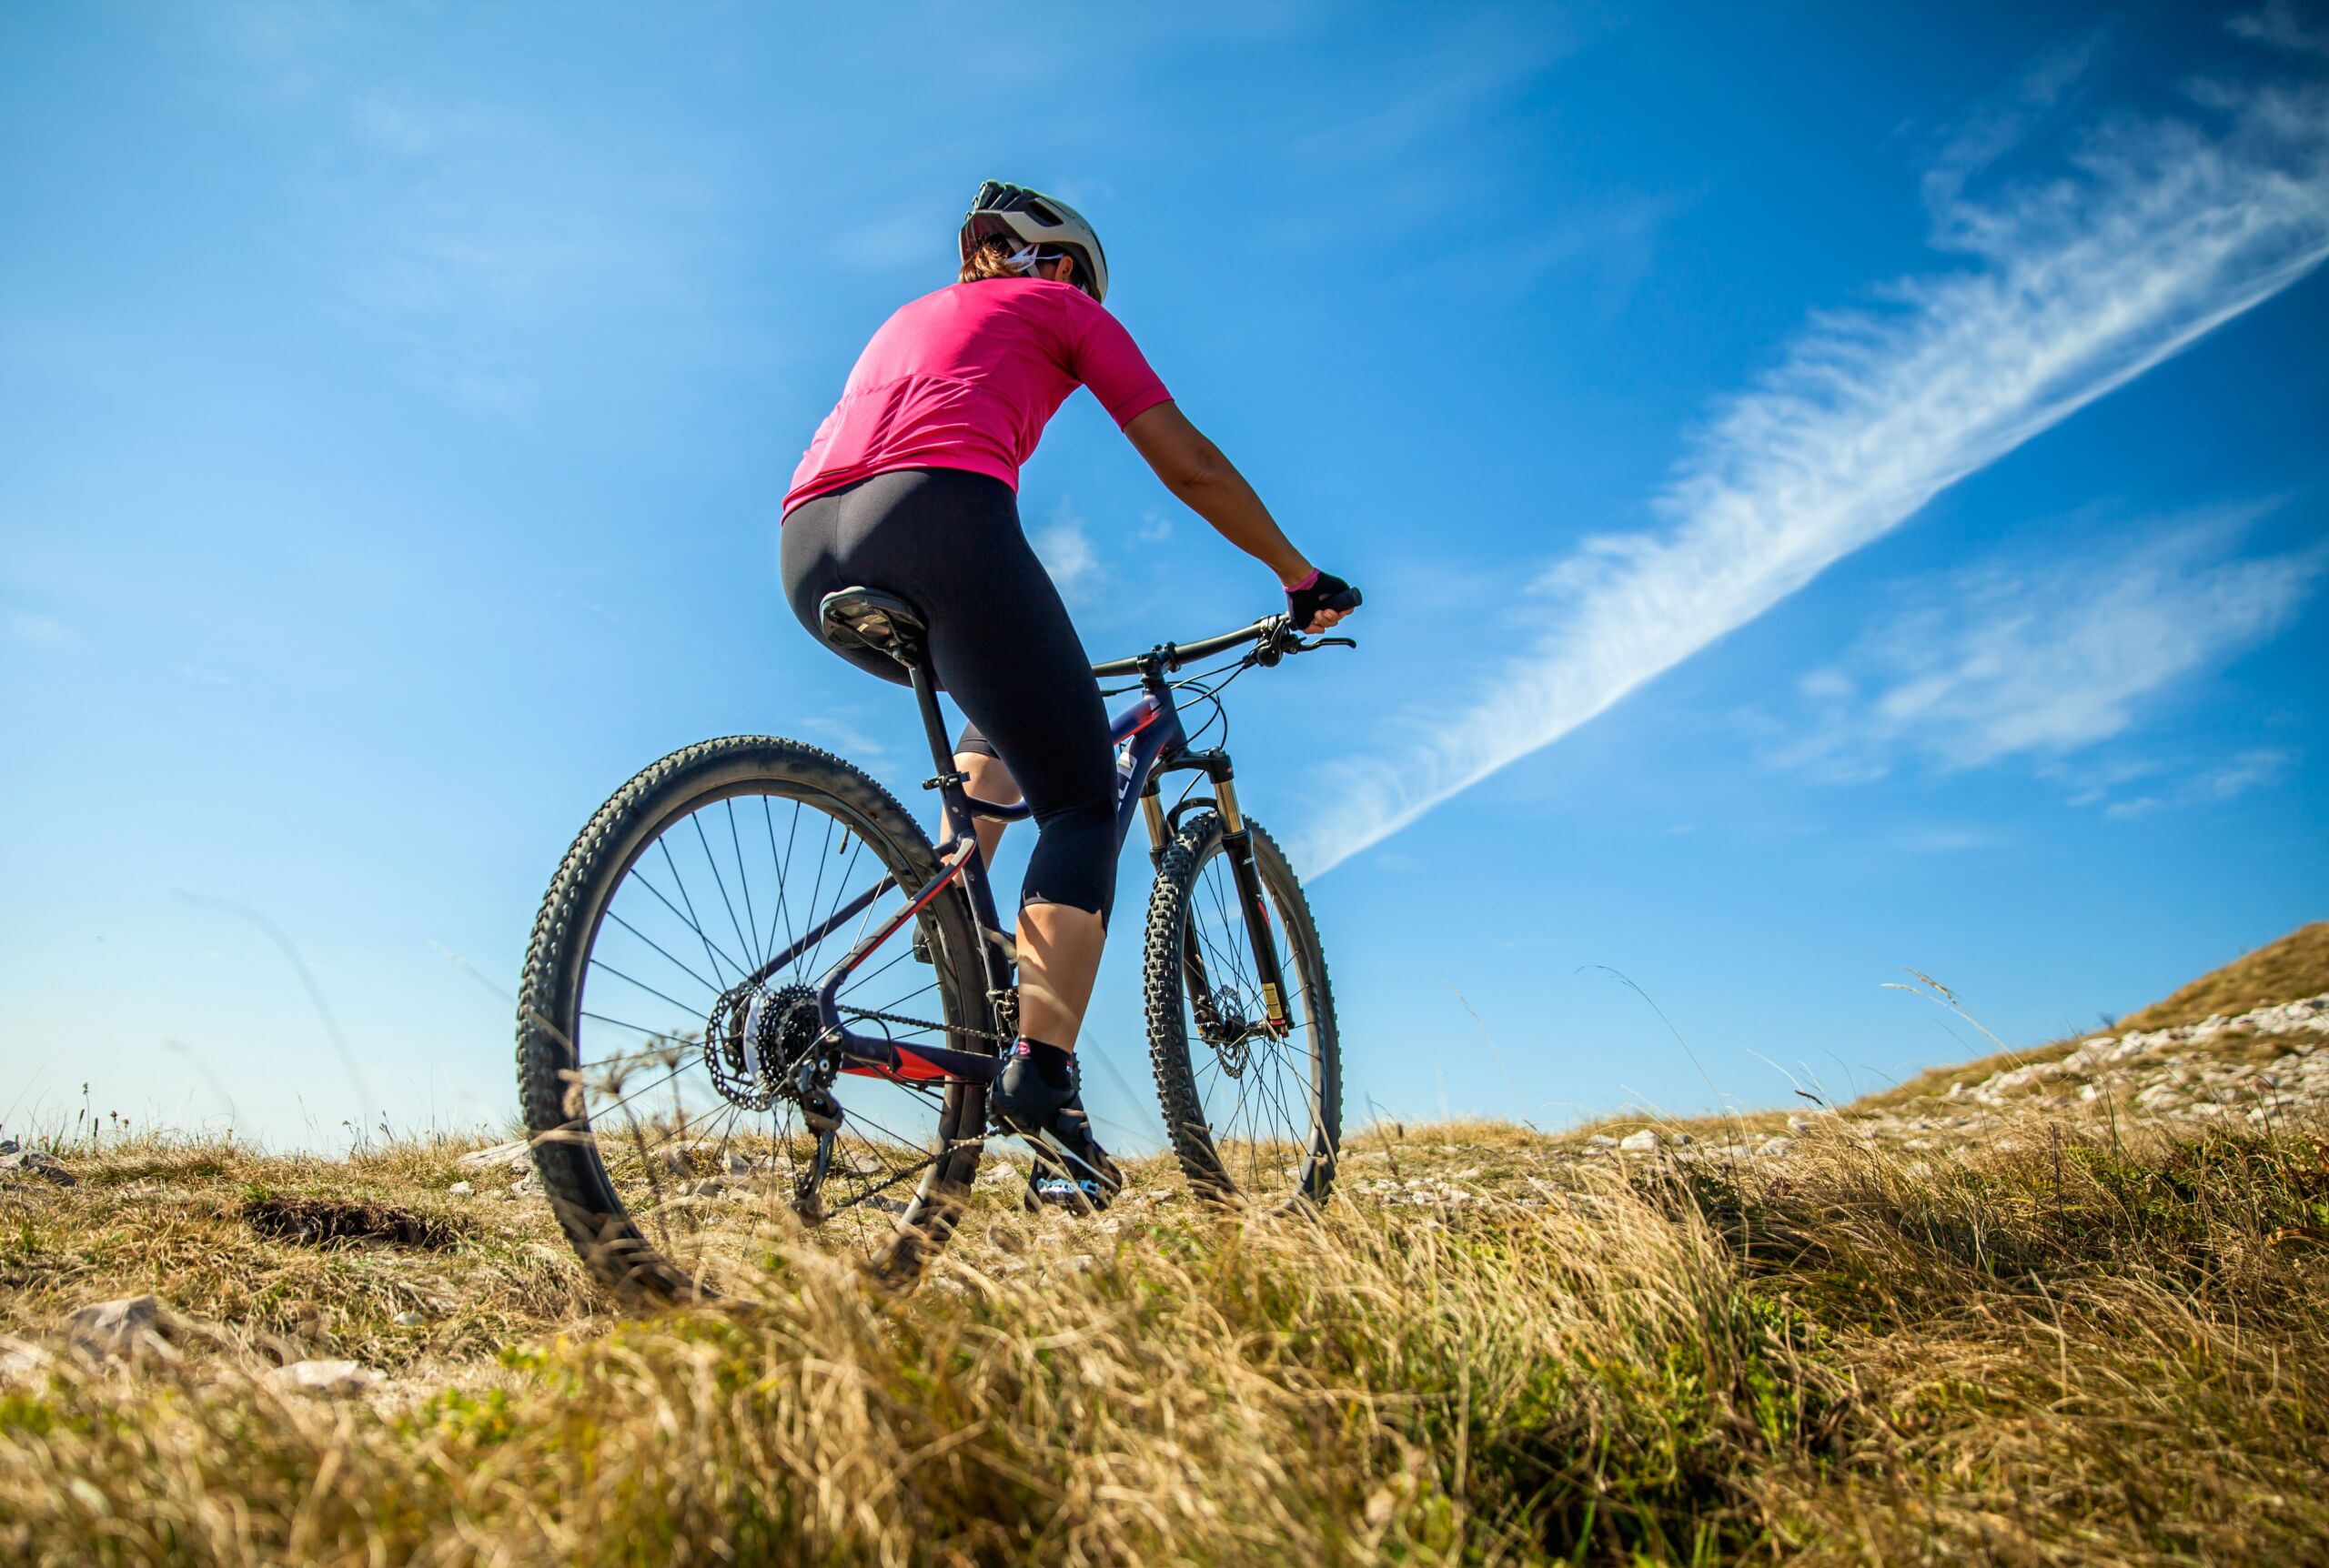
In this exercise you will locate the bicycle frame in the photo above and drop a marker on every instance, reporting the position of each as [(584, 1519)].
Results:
[(1151, 729)]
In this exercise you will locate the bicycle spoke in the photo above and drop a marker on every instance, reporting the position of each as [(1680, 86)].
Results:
[(744, 887), (711, 951), (635, 1027), (599, 963), (651, 942), (781, 913), (1257, 1088), (743, 942), (666, 1111)]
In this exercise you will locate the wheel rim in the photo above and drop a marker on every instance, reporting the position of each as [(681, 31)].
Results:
[(1261, 1095), (716, 887)]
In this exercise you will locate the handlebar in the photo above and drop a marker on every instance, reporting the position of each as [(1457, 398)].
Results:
[(1273, 637)]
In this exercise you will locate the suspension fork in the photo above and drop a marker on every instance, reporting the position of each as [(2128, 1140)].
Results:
[(1239, 846)]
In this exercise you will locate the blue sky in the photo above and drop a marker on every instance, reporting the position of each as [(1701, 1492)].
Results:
[(1835, 490)]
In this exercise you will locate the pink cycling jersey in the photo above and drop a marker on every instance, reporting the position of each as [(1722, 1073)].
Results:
[(967, 378)]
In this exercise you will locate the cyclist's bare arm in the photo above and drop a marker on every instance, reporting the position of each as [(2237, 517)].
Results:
[(1197, 472)]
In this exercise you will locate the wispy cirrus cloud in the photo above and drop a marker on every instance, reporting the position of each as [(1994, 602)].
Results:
[(1064, 546), (2005, 661), (2162, 232), (38, 630)]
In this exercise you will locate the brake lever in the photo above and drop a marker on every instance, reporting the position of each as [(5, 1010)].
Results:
[(1311, 645)]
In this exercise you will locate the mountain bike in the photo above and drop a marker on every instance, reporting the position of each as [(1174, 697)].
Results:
[(758, 998)]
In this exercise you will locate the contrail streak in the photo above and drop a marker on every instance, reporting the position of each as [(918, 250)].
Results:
[(2165, 231)]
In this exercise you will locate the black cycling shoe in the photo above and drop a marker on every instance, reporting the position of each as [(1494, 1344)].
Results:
[(1022, 1102), (1090, 1180)]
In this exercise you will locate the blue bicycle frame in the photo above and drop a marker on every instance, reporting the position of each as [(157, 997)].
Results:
[(1148, 735)]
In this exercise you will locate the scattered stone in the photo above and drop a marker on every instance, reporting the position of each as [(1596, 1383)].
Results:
[(36, 1162), (1799, 1125), (410, 1320), (512, 1156), (461, 1189), (528, 1186), (1680, 1140), (324, 1379), (707, 1189), (1775, 1148), (22, 1359), (738, 1164), (9, 1146), (1642, 1142), (1600, 1140), (117, 1327)]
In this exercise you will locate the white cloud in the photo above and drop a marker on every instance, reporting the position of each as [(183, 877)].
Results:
[(1997, 126), (2075, 287), (40, 630), (2278, 26), (1950, 839), (2000, 663), (1066, 550), (2247, 770), (844, 738)]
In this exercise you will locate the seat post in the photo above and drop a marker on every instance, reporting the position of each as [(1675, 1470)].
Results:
[(952, 800), (933, 721)]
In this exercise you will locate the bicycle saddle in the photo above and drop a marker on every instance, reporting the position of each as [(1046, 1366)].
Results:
[(868, 617)]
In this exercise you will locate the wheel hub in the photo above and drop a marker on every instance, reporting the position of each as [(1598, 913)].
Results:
[(755, 1038)]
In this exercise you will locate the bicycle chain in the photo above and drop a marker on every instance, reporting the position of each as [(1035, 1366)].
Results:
[(925, 1023)]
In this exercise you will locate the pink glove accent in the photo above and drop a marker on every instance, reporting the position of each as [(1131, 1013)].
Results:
[(1306, 582)]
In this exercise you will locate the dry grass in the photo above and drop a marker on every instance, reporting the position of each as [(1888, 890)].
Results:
[(2297, 966), (2059, 1348), (2294, 967)]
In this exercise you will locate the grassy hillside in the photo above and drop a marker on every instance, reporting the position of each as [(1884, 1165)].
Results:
[(2295, 966), (2029, 1338), (2065, 1352)]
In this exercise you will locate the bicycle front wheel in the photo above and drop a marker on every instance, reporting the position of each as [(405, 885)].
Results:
[(697, 913), (1252, 1113)]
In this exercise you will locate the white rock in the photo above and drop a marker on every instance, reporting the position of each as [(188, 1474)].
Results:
[(37, 1162), (111, 1328), (1642, 1142), (526, 1187), (22, 1359), (511, 1155), (324, 1379), (461, 1189), (1774, 1148), (1600, 1140), (410, 1320)]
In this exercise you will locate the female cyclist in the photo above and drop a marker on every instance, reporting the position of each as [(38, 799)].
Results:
[(911, 487)]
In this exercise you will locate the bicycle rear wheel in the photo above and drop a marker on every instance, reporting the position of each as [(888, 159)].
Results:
[(1251, 1113), (674, 1156)]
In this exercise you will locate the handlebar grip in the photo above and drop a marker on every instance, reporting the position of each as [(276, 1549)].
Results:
[(1344, 602)]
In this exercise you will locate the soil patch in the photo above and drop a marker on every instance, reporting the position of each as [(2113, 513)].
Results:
[(319, 1221)]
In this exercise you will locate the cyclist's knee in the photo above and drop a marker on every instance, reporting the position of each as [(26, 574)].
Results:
[(1075, 859)]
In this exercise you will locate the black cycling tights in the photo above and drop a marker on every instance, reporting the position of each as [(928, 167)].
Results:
[(949, 542)]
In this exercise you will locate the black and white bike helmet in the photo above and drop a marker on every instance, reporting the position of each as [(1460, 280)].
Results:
[(1035, 222)]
